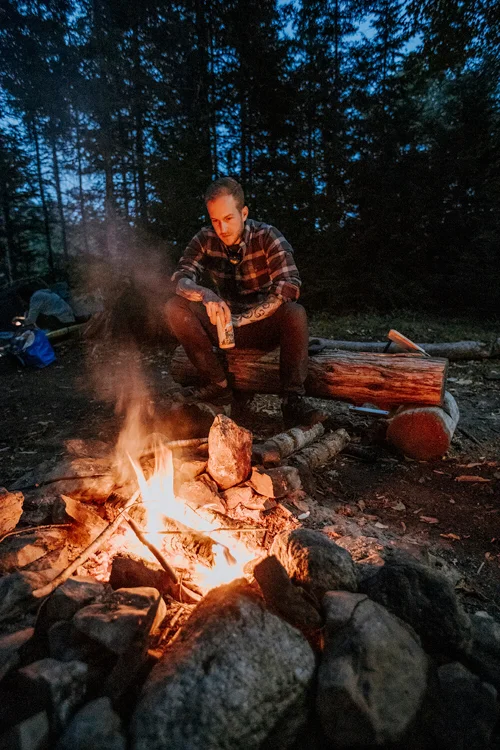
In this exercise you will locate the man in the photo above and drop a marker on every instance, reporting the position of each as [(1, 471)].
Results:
[(244, 271), (49, 309)]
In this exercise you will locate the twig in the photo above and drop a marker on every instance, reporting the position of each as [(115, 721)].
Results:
[(58, 479), (213, 531), (470, 436), (480, 568), (85, 554), (189, 443), (28, 529)]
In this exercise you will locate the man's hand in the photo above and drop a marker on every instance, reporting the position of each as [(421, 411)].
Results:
[(214, 305)]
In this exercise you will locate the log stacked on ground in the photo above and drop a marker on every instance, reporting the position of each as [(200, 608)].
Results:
[(424, 432), (381, 379)]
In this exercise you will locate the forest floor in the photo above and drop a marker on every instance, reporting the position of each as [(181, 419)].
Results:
[(446, 510)]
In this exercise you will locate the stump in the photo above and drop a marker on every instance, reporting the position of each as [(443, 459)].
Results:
[(356, 377)]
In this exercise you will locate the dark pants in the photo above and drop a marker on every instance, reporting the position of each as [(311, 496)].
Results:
[(287, 327)]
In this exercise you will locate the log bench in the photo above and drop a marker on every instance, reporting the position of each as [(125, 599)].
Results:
[(422, 421)]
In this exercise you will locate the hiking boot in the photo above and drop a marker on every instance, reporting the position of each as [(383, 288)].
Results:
[(297, 412), (212, 393)]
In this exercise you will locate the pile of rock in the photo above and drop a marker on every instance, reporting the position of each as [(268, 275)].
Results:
[(316, 652)]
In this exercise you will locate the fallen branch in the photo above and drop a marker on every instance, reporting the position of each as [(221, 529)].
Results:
[(454, 351)]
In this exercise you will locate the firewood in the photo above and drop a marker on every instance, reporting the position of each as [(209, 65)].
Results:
[(424, 432), (319, 453), (230, 452), (382, 379), (283, 445), (276, 482)]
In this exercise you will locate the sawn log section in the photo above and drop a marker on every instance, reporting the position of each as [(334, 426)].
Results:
[(357, 377)]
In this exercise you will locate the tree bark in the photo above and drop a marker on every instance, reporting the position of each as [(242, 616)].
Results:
[(60, 207), (50, 254), (359, 378), (319, 453)]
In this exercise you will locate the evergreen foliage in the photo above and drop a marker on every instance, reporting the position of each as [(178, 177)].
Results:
[(366, 130)]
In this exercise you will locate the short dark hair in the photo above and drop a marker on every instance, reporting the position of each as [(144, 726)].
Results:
[(226, 186)]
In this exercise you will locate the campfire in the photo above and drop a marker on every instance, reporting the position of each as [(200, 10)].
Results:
[(213, 618)]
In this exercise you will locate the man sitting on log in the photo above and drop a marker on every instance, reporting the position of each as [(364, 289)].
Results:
[(243, 271)]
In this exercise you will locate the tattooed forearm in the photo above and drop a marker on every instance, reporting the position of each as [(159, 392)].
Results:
[(259, 312), (194, 292)]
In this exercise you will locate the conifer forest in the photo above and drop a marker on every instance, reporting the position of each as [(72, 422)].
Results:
[(367, 131)]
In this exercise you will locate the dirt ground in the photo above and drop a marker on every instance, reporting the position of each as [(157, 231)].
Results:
[(447, 510)]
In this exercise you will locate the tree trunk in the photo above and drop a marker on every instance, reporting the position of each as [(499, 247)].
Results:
[(50, 254), (10, 249), (382, 379), (139, 132), (81, 197), (60, 207)]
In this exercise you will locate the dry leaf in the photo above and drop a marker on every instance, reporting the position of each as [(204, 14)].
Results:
[(453, 537), (429, 519), (379, 525), (399, 506), (470, 478)]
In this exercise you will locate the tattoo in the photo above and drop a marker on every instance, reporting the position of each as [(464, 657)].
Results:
[(192, 291), (259, 312)]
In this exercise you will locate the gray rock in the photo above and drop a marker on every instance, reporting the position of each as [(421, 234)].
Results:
[(30, 734), (117, 620), (469, 710), (16, 593), (57, 687), (373, 674), (17, 552), (421, 597), (94, 727), (84, 478), (74, 594), (10, 645), (483, 652), (232, 677), (312, 560)]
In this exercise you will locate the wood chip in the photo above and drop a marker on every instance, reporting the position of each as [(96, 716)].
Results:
[(429, 519), (453, 537)]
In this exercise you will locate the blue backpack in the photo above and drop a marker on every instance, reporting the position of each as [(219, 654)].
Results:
[(32, 348)]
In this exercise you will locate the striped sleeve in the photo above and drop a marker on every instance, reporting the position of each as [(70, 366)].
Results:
[(191, 264), (283, 272)]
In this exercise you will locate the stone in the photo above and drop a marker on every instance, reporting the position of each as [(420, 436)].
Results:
[(468, 710), (84, 478), (16, 552), (482, 654), (198, 493), (87, 448), (132, 572), (94, 727), (57, 687), (373, 674), (421, 597), (277, 482), (115, 621), (229, 452), (16, 591), (30, 734), (235, 496), (74, 594), (11, 509), (235, 676), (10, 645), (315, 562)]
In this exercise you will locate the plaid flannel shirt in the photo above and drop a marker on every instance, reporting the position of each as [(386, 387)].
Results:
[(266, 266)]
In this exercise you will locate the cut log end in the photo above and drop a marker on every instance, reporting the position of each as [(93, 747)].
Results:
[(424, 433)]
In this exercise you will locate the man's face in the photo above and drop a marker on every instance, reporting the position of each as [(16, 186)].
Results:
[(227, 220)]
